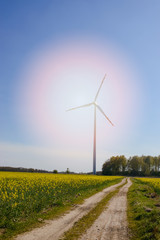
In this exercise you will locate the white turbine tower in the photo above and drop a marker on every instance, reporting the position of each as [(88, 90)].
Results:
[(94, 103)]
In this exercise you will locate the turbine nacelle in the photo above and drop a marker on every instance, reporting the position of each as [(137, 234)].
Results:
[(94, 103)]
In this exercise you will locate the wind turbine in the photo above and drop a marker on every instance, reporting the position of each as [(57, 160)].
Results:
[(94, 103)]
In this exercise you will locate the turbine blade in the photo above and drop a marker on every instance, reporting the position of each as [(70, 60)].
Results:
[(86, 105), (104, 114), (99, 88)]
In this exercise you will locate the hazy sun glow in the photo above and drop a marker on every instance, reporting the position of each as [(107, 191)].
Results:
[(69, 75)]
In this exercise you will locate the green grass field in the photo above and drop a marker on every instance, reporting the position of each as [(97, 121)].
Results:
[(144, 209)]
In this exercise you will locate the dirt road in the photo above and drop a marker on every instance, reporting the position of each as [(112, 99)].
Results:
[(54, 229), (112, 223)]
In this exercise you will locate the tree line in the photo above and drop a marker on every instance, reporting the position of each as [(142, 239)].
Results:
[(20, 169), (32, 170), (133, 166)]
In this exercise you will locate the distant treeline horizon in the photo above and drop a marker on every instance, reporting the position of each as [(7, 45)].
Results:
[(32, 170), (133, 166), (21, 169), (115, 165)]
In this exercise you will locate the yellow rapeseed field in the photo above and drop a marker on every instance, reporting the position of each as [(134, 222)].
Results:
[(155, 182), (25, 194)]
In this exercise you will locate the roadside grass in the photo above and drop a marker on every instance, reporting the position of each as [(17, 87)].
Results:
[(13, 227), (81, 226), (143, 211)]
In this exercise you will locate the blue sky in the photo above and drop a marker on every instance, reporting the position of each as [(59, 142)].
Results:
[(28, 27)]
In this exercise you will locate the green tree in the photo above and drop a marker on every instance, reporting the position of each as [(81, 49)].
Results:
[(134, 165), (158, 162), (107, 168), (149, 161), (123, 163), (115, 165), (155, 163)]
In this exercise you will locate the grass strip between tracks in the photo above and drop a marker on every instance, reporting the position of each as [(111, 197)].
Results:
[(80, 227)]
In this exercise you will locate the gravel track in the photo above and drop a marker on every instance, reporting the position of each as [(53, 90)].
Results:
[(54, 229), (112, 223)]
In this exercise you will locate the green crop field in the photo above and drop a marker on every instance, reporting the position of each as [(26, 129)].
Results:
[(27, 197)]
